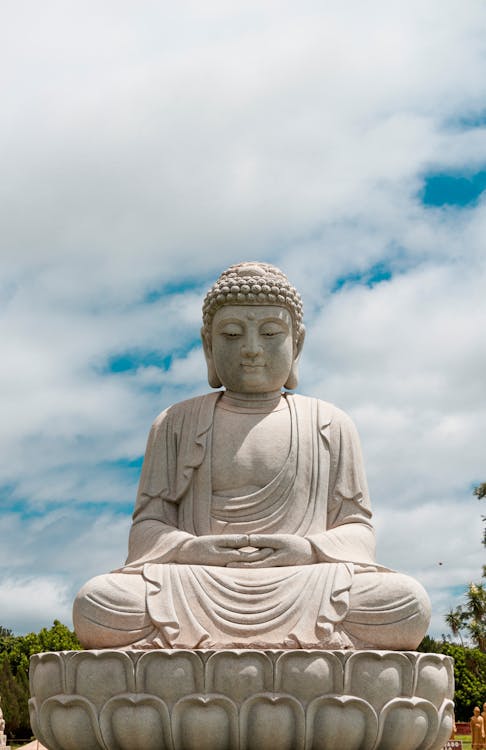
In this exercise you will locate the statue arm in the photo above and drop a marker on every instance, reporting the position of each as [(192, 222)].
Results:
[(350, 536), (154, 536), (152, 541)]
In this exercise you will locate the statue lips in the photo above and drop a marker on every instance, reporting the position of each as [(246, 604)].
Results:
[(279, 470), (252, 370)]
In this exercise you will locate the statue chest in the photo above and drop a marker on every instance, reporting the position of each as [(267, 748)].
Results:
[(248, 450)]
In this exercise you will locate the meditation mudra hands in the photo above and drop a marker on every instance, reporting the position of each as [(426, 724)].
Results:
[(247, 550), (251, 457)]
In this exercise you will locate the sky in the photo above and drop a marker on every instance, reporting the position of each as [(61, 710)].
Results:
[(147, 146)]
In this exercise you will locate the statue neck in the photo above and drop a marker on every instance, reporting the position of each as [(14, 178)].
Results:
[(253, 403)]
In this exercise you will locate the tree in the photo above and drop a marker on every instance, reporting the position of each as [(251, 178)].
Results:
[(455, 620), (471, 616), (476, 611), (15, 652), (480, 492), (15, 697)]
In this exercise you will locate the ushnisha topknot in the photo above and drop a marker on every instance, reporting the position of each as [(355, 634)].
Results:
[(253, 283)]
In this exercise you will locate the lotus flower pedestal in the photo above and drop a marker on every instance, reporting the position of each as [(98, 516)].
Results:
[(241, 700)]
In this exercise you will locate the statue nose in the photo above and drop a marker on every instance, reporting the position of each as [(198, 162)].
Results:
[(251, 347)]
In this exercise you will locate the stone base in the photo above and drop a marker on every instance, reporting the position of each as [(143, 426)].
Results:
[(241, 700)]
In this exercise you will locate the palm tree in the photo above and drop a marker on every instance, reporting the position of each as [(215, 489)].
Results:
[(455, 620), (472, 615), (476, 600), (476, 611), (480, 492)]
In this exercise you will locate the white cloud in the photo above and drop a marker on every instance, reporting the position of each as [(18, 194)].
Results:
[(32, 603), (45, 559)]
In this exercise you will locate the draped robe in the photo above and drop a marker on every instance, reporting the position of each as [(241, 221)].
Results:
[(320, 494)]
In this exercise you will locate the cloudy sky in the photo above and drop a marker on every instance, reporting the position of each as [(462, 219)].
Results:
[(145, 147)]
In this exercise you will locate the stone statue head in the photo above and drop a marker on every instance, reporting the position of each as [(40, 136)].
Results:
[(260, 285)]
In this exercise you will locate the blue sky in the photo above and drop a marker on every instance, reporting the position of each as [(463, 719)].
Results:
[(144, 150), (455, 189)]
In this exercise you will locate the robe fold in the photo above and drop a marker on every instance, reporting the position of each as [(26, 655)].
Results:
[(320, 494)]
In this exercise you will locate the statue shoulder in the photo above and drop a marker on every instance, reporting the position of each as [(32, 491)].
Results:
[(196, 409), (328, 413), (334, 424)]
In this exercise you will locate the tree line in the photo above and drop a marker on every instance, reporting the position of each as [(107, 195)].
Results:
[(15, 652), (468, 620)]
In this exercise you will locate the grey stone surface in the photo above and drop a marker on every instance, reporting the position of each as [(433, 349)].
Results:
[(252, 526), (251, 575), (241, 700)]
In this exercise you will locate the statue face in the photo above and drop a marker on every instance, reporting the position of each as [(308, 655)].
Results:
[(252, 347)]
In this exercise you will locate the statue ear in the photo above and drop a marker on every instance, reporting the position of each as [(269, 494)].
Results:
[(213, 377), (293, 378)]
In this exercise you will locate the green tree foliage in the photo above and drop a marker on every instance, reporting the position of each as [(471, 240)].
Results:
[(480, 492), (469, 674), (470, 617), (455, 620), (15, 652), (14, 694)]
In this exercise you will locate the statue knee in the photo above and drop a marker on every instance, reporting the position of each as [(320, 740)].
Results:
[(388, 611), (110, 611), (415, 627)]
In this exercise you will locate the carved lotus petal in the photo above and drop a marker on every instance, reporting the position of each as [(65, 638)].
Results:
[(308, 674), (408, 724), (270, 722), (34, 716), (239, 674), (69, 723), (136, 721), (434, 678), (170, 675), (339, 722), (128, 691), (46, 675), (205, 722), (100, 675), (446, 722), (378, 677)]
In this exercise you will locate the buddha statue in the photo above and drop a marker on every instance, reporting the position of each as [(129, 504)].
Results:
[(252, 526)]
